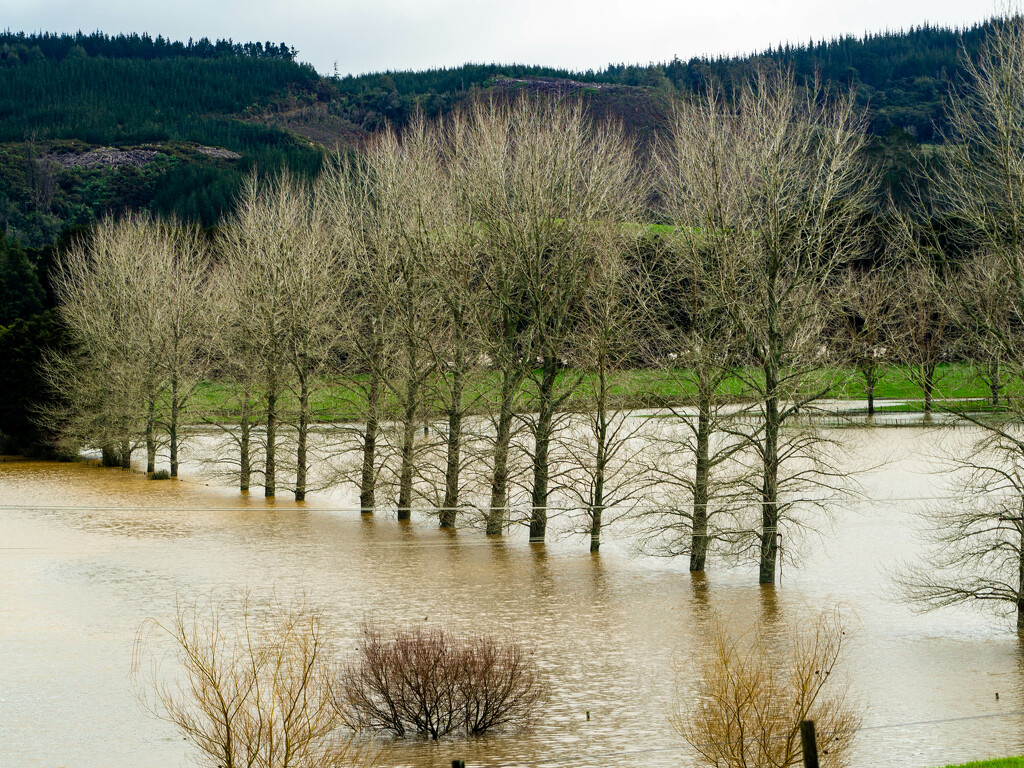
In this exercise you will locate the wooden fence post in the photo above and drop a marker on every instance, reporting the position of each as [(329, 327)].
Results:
[(809, 744)]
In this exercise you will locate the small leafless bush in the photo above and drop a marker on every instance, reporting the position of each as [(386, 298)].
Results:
[(749, 700), (430, 682), (252, 688)]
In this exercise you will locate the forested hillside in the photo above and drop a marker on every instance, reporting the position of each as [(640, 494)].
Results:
[(63, 95), (901, 78)]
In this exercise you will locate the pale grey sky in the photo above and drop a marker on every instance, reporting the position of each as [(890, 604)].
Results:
[(377, 35)]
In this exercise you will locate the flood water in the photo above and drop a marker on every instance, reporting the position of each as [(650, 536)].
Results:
[(77, 578)]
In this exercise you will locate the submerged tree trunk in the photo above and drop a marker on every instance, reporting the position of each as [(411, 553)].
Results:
[(244, 437), (870, 382), (770, 479), (368, 480), (126, 454), (702, 478), (1020, 573), (994, 383), (151, 436), (303, 432), (502, 440), (601, 417), (453, 459), (929, 385), (541, 449), (408, 442), (270, 470), (173, 428)]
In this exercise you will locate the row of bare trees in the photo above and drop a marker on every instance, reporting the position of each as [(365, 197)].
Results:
[(456, 295), (974, 209)]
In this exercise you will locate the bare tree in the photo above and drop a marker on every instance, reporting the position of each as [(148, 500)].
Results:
[(798, 221), (251, 691), (236, 415), (869, 309), (482, 140), (985, 304), (431, 682), (252, 247), (609, 468), (317, 278), (977, 191), (778, 190), (926, 330), (455, 342), (747, 708), (411, 168), (109, 378), (363, 236), (976, 549), (403, 171), (693, 340), (182, 301)]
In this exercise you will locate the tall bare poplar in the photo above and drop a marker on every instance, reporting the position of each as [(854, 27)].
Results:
[(185, 325), (796, 222), (608, 447), (550, 185), (924, 332), (870, 306), (693, 340), (278, 252), (481, 151), (456, 268), (362, 237)]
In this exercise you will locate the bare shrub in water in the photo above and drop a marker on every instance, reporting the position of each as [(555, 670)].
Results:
[(433, 683), (254, 688), (747, 708)]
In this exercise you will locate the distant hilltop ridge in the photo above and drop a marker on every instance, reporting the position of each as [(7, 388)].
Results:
[(75, 138)]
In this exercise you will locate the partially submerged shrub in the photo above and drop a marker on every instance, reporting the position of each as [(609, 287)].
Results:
[(253, 688), (433, 683), (160, 474), (749, 702)]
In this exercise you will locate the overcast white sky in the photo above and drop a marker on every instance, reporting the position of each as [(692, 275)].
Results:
[(374, 35)]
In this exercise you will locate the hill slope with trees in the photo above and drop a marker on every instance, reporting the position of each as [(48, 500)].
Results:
[(64, 95)]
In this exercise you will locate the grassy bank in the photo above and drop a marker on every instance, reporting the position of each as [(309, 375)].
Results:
[(898, 391), (999, 762)]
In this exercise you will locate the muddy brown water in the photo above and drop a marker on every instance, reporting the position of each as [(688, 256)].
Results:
[(613, 633)]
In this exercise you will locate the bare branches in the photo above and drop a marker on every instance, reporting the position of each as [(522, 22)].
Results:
[(869, 314), (280, 276), (974, 215), (748, 706), (927, 325), (133, 297), (254, 689), (976, 544), (429, 682), (767, 193), (549, 192)]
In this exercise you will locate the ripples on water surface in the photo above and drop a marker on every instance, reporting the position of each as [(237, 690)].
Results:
[(77, 581)]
